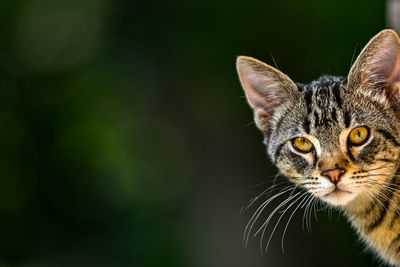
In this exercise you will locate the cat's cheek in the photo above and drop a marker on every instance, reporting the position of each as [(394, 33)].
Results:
[(300, 163), (367, 153), (304, 159), (285, 169)]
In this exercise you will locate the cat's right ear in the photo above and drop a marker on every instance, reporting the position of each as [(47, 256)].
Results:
[(377, 68), (266, 89)]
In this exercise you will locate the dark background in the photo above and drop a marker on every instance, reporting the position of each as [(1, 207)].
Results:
[(126, 140)]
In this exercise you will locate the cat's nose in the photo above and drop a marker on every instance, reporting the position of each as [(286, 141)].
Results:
[(333, 174)]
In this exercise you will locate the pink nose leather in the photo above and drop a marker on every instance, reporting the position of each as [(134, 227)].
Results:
[(333, 174)]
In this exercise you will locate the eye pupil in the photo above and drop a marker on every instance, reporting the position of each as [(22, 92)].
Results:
[(358, 136), (302, 144)]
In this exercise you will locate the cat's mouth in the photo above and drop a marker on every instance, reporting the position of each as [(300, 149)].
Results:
[(337, 191), (338, 196)]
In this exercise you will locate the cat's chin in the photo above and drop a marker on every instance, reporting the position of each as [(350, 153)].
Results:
[(338, 197)]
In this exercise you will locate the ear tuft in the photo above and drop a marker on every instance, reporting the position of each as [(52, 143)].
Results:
[(266, 88)]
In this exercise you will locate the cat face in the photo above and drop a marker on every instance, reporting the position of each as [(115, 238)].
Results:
[(336, 142), (337, 137)]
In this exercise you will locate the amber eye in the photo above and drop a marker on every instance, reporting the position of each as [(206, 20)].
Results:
[(358, 136), (302, 144)]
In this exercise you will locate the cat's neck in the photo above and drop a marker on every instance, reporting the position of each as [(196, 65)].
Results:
[(367, 201), (376, 217)]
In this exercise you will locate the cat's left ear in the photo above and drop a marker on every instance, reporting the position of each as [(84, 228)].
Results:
[(377, 68)]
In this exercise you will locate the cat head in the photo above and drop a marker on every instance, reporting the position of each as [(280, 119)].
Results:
[(338, 137)]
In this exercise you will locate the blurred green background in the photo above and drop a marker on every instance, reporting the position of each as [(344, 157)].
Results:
[(126, 140)]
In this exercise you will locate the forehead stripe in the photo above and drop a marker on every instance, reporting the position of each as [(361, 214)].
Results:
[(336, 93), (347, 119), (307, 98), (334, 111), (306, 125), (316, 118)]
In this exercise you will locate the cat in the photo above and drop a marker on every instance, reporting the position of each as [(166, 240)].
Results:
[(338, 138)]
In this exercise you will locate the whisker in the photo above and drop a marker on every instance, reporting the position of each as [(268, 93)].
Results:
[(276, 177), (257, 213), (307, 212), (290, 218), (316, 208), (330, 214), (262, 193), (280, 218), (383, 183), (390, 189), (387, 185), (314, 202), (251, 186), (378, 168), (386, 198), (274, 211), (374, 197), (374, 174), (263, 227)]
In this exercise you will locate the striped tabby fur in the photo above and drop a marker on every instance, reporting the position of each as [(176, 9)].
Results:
[(325, 112)]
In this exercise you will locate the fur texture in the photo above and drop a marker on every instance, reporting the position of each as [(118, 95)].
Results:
[(325, 112)]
